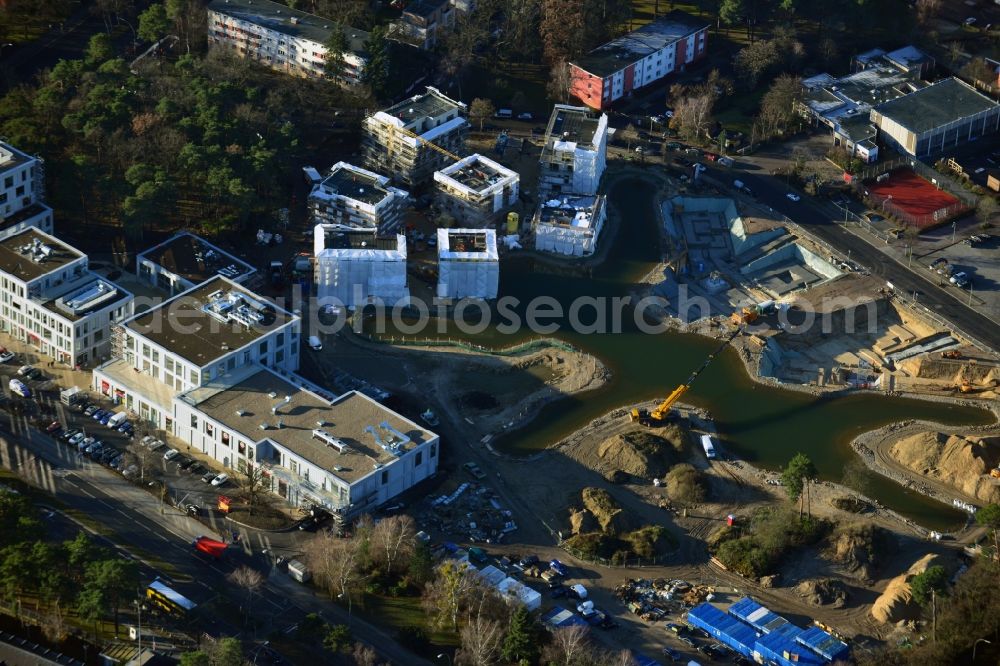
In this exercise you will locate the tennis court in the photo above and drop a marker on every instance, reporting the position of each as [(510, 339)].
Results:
[(916, 197)]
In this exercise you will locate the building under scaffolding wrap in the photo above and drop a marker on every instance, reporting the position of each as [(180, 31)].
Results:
[(475, 190), (575, 152), (468, 263), (355, 268), (570, 225)]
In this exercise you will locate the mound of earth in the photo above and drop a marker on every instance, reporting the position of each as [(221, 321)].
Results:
[(850, 504), (582, 522), (962, 462), (977, 374), (858, 548), (638, 453), (823, 592), (896, 603), (603, 507)]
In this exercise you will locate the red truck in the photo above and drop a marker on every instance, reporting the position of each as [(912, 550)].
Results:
[(209, 546)]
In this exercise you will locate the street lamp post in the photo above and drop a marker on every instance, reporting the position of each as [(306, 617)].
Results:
[(976, 644), (953, 224), (445, 655)]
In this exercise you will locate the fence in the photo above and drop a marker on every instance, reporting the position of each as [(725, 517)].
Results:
[(885, 204), (966, 201), (530, 345)]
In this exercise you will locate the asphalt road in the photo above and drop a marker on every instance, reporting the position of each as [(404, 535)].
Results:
[(146, 530), (820, 218)]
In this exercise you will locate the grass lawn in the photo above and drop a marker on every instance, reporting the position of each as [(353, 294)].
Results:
[(397, 612), (737, 112)]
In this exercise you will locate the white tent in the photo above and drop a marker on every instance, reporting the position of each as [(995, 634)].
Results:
[(513, 589)]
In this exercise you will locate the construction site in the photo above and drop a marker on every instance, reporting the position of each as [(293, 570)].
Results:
[(475, 190)]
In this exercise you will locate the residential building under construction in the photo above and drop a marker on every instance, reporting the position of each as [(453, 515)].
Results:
[(574, 155), (350, 197), (468, 264), (415, 138), (475, 190)]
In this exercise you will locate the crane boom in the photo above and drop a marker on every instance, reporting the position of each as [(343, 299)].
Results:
[(664, 408), (429, 144)]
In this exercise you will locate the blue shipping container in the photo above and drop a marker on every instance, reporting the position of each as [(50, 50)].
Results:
[(724, 628), (823, 643)]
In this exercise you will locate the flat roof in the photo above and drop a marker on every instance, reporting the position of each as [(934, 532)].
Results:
[(428, 104), (86, 296), (347, 420), (195, 259), (946, 101), (477, 172), (22, 215), (292, 22), (424, 8), (572, 123), (571, 211), (11, 157), (636, 45), (351, 182), (346, 239), (184, 326), (467, 244), (33, 253)]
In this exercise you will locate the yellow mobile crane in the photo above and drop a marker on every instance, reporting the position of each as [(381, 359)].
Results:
[(659, 415)]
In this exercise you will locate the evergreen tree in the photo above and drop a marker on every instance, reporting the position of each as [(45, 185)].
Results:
[(521, 642), (376, 72), (336, 47)]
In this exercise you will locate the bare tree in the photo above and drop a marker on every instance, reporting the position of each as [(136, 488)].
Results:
[(620, 658), (480, 643), (693, 114), (144, 459), (560, 82), (393, 539), (253, 485), (250, 580), (364, 655), (481, 110), (451, 592), (335, 564), (568, 647), (562, 30), (927, 10)]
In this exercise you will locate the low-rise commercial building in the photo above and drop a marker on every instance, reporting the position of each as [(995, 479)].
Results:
[(50, 299), (191, 339), (468, 264), (348, 454), (475, 190), (350, 197), (22, 190), (357, 268), (612, 71), (945, 114), (574, 155), (282, 38), (395, 140), (571, 225), (185, 260)]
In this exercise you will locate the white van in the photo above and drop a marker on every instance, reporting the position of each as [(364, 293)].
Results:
[(315, 343), (117, 419), (505, 113)]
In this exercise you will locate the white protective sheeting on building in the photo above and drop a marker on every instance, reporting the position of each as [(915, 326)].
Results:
[(570, 226), (467, 274), (358, 276)]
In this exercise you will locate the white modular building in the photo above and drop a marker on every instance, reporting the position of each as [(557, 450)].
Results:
[(571, 225), (356, 268), (355, 198), (468, 264), (475, 190), (185, 260), (575, 152), (22, 188)]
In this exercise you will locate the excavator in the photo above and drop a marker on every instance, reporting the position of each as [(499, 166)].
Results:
[(659, 415)]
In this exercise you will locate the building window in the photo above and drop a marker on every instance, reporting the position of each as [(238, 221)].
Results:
[(194, 421), (434, 450), (242, 448), (385, 477), (419, 459), (294, 466), (225, 438), (209, 430), (262, 350)]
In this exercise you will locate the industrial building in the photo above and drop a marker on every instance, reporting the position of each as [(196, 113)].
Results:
[(475, 190), (844, 103), (945, 114), (348, 454), (356, 268), (354, 198), (282, 38), (22, 190), (765, 637), (396, 140), (52, 301), (612, 71), (571, 225), (574, 155), (468, 263), (185, 260), (191, 339)]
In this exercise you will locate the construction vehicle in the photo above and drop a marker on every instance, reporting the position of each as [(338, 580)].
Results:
[(659, 415), (747, 315), (952, 353)]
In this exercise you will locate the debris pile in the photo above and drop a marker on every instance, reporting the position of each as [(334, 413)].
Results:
[(653, 600), (471, 512)]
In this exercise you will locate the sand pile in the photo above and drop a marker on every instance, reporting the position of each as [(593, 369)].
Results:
[(823, 592), (858, 548), (955, 371), (896, 602), (605, 510), (962, 462), (639, 453)]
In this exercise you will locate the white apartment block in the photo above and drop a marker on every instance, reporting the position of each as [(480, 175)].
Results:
[(475, 190), (348, 453), (185, 260), (282, 38), (389, 145), (468, 264), (22, 188), (570, 226), (354, 198), (356, 268), (191, 339), (575, 152), (51, 300)]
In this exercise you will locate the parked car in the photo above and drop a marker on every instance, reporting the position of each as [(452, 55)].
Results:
[(6, 356), (958, 277), (67, 434), (192, 509), (792, 196), (86, 442), (90, 410), (130, 471), (473, 469), (184, 462), (671, 654), (559, 568), (98, 414), (171, 454), (52, 427), (208, 476), (77, 438), (220, 480), (35, 374), (524, 115), (24, 370)]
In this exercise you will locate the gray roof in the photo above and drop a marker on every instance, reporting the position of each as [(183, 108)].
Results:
[(938, 104), (292, 22), (636, 45), (18, 259)]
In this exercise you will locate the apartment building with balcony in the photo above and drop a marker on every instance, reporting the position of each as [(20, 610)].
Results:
[(350, 197), (196, 337), (50, 299), (22, 190), (283, 38), (575, 152), (475, 190), (347, 453), (424, 22), (393, 140)]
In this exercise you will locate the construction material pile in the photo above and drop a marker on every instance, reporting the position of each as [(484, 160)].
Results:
[(963, 463), (472, 512), (653, 600)]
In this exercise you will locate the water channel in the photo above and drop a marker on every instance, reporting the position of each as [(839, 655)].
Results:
[(757, 423)]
